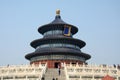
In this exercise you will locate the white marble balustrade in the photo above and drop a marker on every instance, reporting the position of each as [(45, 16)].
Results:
[(22, 72), (90, 72)]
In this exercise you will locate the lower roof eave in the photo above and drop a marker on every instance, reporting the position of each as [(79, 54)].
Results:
[(34, 54)]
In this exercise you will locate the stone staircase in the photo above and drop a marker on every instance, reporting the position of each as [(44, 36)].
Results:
[(53, 73)]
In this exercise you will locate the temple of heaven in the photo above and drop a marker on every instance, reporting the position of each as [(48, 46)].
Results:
[(57, 45)]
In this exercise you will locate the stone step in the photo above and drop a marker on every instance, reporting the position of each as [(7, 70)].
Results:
[(53, 73), (55, 78)]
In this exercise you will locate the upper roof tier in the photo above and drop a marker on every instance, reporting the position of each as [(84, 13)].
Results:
[(57, 24)]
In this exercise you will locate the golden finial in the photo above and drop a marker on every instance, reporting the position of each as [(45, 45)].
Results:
[(57, 12)]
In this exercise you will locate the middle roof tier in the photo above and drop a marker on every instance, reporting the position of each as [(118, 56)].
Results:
[(58, 40)]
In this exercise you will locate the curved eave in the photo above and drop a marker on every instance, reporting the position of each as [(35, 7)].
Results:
[(57, 23), (59, 26), (61, 51), (69, 40)]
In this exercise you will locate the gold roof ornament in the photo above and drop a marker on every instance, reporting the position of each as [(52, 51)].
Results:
[(57, 12)]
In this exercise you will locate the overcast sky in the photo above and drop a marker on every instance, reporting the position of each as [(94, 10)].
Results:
[(98, 22)]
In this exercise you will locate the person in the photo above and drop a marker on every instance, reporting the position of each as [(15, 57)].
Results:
[(53, 79), (58, 66), (62, 65), (42, 78), (59, 71)]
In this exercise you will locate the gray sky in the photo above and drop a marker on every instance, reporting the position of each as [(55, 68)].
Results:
[(98, 22)]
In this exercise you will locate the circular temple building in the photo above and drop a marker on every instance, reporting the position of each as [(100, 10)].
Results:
[(57, 45)]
